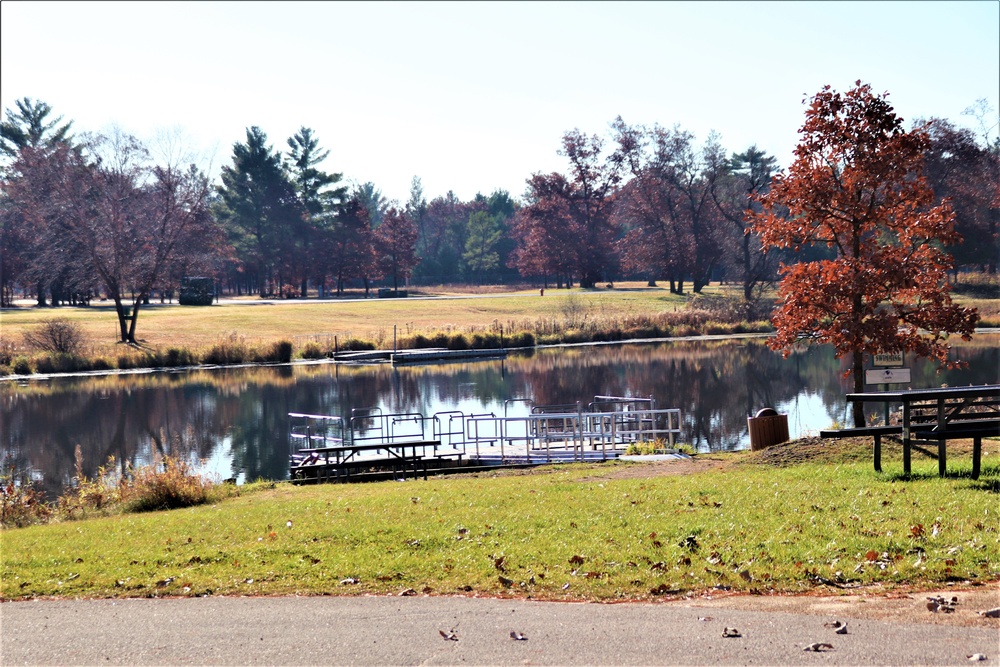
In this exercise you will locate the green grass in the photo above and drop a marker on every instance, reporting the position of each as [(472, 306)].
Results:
[(560, 532)]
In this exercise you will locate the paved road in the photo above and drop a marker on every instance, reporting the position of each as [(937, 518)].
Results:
[(407, 631)]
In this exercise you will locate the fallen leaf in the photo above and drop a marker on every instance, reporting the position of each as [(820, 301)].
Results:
[(841, 630), (991, 613), (505, 581), (348, 581), (518, 636), (817, 647), (576, 560), (833, 624), (450, 636), (976, 657), (731, 632), (407, 592), (705, 618)]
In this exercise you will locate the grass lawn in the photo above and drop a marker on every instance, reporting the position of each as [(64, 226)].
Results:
[(792, 518), (200, 327)]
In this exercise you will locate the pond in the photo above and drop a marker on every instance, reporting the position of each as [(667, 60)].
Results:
[(234, 421)]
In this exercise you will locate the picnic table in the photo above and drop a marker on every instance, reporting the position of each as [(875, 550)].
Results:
[(933, 415), (342, 459)]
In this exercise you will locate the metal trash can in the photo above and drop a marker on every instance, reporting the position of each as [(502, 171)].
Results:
[(767, 428)]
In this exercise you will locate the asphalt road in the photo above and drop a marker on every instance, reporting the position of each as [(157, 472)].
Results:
[(452, 631)]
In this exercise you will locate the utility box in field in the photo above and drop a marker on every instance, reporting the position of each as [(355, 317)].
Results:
[(197, 291), (767, 428)]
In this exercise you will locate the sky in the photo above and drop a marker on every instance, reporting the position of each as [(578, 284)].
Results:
[(472, 97)]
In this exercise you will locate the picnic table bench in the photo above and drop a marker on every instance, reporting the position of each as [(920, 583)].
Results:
[(933, 415)]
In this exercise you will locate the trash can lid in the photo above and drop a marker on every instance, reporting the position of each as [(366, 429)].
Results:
[(766, 412)]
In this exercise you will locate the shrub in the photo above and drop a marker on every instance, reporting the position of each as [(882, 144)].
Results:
[(231, 350), (57, 335), (22, 366), (178, 357), (169, 486), (356, 345), (277, 352), (60, 362), (312, 350), (101, 364), (485, 341), (439, 339), (522, 339), (20, 503), (458, 341)]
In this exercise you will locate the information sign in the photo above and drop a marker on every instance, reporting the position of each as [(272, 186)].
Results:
[(888, 376)]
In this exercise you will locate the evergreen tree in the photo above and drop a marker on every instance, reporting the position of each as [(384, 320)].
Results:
[(322, 197), (28, 127), (261, 211)]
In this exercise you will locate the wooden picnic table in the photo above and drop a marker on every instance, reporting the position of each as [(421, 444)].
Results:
[(939, 414)]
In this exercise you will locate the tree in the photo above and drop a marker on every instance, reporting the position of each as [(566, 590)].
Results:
[(543, 230), (445, 226), (122, 220), (350, 250), (261, 210), (321, 197), (967, 174), (583, 200), (856, 186), (668, 204), (27, 127), (396, 240), (733, 184), (481, 255)]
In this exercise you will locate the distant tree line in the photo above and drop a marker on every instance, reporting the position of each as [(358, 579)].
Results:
[(95, 215)]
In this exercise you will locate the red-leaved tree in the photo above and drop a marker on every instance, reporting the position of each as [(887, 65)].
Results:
[(856, 186)]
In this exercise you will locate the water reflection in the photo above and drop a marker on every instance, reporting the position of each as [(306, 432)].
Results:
[(235, 420)]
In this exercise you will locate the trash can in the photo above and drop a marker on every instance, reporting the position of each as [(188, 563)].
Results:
[(767, 428)]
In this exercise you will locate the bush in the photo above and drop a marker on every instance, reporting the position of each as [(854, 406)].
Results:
[(101, 364), (60, 362), (178, 357), (22, 366), (57, 335), (356, 345), (169, 486), (232, 350), (485, 341), (458, 341), (522, 339), (312, 350), (20, 503), (277, 352)]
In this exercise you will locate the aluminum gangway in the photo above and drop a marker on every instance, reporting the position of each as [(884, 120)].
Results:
[(600, 429)]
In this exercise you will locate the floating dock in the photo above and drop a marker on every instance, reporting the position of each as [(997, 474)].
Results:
[(420, 356), (370, 444)]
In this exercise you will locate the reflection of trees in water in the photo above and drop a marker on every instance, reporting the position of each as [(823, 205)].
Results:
[(139, 418)]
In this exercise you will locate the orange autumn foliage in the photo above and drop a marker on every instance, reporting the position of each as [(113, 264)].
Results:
[(856, 187)]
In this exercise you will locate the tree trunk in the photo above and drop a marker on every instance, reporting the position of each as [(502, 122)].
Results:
[(857, 369)]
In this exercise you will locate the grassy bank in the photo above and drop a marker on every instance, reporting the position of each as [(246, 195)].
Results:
[(250, 331), (788, 519)]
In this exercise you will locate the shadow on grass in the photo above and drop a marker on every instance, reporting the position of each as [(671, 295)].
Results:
[(989, 471)]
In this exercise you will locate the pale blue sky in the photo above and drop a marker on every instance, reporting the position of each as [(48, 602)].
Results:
[(475, 96)]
